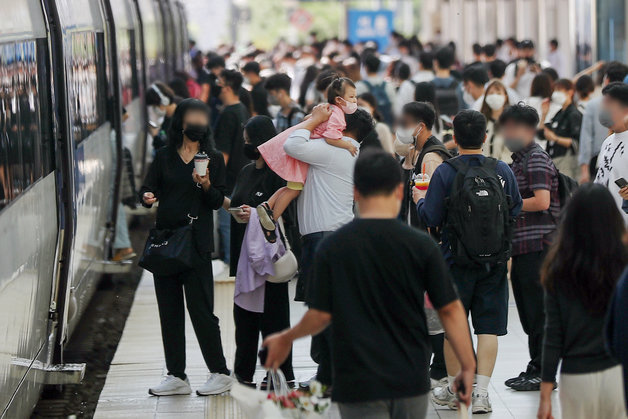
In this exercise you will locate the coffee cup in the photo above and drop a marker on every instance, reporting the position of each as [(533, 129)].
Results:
[(200, 163)]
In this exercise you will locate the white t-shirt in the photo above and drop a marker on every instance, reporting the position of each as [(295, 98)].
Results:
[(613, 164)]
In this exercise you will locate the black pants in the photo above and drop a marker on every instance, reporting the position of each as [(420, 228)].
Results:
[(320, 351), (438, 369), (526, 287), (248, 325), (198, 285)]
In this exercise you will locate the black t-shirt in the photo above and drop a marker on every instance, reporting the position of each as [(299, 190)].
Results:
[(253, 187), (170, 179), (371, 276), (260, 99), (229, 140), (566, 123)]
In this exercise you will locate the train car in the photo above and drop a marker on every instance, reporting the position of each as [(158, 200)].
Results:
[(68, 68)]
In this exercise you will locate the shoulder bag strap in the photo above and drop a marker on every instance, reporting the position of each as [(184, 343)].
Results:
[(196, 203), (283, 238)]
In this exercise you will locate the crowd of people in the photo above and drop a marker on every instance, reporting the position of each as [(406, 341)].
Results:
[(412, 189)]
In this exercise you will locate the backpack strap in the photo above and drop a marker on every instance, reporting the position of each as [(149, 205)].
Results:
[(490, 163), (457, 164), (436, 148)]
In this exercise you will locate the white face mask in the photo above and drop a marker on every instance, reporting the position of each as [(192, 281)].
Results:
[(559, 98), (406, 135), (495, 101)]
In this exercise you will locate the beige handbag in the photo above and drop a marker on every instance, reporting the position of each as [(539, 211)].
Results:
[(287, 265)]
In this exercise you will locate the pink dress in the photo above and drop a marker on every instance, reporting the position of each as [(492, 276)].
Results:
[(293, 170)]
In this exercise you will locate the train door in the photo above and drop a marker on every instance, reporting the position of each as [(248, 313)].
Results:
[(89, 140)]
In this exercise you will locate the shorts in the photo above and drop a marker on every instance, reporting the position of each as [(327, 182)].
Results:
[(484, 294), (295, 186)]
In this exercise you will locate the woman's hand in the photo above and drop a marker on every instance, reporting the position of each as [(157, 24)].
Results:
[(623, 192), (245, 215), (202, 180), (149, 198), (549, 134)]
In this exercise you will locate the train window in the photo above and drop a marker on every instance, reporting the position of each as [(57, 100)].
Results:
[(87, 83), (25, 128)]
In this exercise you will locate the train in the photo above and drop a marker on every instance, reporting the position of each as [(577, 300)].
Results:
[(69, 69)]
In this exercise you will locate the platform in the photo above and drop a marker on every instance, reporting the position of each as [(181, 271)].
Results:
[(139, 363)]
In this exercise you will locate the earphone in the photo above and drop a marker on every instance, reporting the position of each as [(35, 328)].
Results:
[(165, 101)]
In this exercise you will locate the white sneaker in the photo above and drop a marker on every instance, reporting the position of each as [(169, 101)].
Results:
[(171, 386), (438, 383), (216, 384), (442, 396), (481, 403)]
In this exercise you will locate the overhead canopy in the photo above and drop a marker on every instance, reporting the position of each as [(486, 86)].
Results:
[(22, 19)]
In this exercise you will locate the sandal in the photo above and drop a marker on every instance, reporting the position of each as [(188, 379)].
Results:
[(267, 222)]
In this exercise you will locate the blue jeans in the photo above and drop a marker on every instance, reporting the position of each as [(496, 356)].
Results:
[(224, 229), (122, 240)]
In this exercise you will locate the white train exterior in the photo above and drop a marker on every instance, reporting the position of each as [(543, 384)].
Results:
[(67, 69)]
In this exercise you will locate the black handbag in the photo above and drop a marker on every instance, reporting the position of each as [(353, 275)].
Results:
[(172, 251)]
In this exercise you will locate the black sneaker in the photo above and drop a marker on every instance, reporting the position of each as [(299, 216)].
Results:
[(513, 380), (528, 383), (267, 221)]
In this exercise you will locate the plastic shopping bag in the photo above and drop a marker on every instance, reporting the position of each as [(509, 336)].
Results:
[(254, 404)]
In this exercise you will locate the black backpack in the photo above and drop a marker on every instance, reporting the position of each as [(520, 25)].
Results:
[(477, 218), (566, 184), (447, 100)]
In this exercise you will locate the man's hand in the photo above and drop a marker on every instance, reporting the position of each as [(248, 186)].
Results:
[(321, 113), (623, 192), (418, 194), (545, 401), (464, 380), (279, 346), (202, 180)]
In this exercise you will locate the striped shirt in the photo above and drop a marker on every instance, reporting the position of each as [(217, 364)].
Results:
[(533, 229)]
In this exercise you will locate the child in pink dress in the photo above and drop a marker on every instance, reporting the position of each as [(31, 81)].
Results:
[(341, 95)]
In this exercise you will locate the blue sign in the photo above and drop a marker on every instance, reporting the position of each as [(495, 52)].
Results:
[(370, 25)]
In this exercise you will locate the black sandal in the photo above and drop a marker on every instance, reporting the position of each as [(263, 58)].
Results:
[(267, 222)]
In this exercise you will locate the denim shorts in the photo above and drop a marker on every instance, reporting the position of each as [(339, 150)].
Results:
[(484, 293)]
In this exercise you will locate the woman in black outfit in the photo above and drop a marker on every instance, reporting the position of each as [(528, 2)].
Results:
[(579, 275), (173, 181), (563, 132), (255, 184)]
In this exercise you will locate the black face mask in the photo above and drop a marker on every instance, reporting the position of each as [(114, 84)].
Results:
[(250, 152), (196, 132)]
